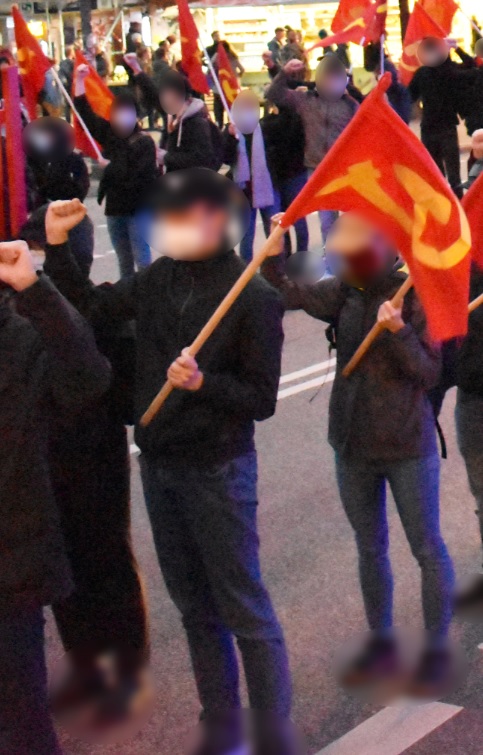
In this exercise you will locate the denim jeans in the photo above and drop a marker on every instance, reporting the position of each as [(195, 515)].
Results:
[(415, 486), (246, 245), (128, 234), (25, 723), (205, 534), (285, 194), (469, 425), (327, 218)]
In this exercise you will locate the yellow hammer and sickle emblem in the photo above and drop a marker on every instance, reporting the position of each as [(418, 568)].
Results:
[(364, 179), (24, 55), (224, 77)]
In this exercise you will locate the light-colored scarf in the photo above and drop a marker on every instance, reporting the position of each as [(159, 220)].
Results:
[(257, 172)]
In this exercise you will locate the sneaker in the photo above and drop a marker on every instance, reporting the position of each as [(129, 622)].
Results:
[(378, 661), (468, 600)]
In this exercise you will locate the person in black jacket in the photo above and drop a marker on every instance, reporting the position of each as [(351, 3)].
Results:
[(50, 365), (129, 174), (382, 429), (192, 139), (198, 457)]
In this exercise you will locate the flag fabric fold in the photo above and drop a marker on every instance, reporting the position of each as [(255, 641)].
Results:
[(363, 30), (99, 97), (226, 76), (393, 182), (473, 206), (442, 12), (420, 25), (190, 52), (32, 63), (347, 12)]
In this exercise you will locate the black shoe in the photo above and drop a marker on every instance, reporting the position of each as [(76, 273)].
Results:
[(468, 600), (436, 674), (220, 736), (377, 662)]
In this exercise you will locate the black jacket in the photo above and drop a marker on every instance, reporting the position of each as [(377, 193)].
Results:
[(469, 370), (171, 301), (50, 366), (284, 138), (63, 179), (439, 89), (381, 412), (471, 96), (130, 174)]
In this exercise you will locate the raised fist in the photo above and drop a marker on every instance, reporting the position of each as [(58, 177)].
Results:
[(16, 265), (82, 71), (293, 66), (61, 217)]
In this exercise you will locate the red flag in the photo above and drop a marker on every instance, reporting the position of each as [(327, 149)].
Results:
[(226, 76), (473, 205), (441, 11), (420, 25), (368, 27), (190, 52), (379, 168), (32, 62), (99, 97), (347, 12)]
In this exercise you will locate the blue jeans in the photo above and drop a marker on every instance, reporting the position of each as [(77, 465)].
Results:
[(246, 244), (327, 218), (284, 196), (205, 533), (128, 234), (415, 486), (469, 425)]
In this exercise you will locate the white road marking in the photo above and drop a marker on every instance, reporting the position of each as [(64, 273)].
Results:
[(314, 383), (393, 730), (307, 371)]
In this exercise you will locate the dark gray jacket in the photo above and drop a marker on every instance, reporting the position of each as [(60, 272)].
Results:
[(381, 412), (49, 365)]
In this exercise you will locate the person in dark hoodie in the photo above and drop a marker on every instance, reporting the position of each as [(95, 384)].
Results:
[(193, 139), (198, 457), (382, 429), (130, 171), (50, 366)]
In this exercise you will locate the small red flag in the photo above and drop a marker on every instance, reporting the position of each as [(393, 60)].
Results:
[(473, 205), (99, 97), (441, 11), (393, 182), (226, 75), (420, 25), (366, 28), (32, 63), (190, 52)]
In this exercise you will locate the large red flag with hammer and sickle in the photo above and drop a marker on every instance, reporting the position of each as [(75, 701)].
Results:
[(226, 75), (32, 63), (420, 25), (99, 97), (379, 169), (190, 52), (441, 11)]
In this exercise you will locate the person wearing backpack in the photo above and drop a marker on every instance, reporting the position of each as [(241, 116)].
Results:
[(193, 140), (129, 174), (382, 429)]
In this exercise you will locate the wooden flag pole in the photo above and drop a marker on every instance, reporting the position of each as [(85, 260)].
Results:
[(376, 330), (74, 110), (250, 270), (475, 304)]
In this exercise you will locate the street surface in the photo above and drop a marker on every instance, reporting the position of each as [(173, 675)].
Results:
[(309, 563)]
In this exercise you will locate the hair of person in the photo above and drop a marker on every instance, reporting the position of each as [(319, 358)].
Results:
[(176, 82), (125, 100)]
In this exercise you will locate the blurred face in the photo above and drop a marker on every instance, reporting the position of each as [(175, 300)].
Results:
[(193, 234), (357, 252), (330, 85), (123, 120), (433, 52), (246, 112), (171, 101)]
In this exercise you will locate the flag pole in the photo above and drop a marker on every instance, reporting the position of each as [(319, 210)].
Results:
[(474, 26), (382, 58), (76, 113), (251, 269), (217, 81)]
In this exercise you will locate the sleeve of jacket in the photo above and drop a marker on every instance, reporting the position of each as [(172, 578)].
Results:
[(230, 147), (321, 300), (149, 91), (252, 395), (195, 149), (76, 372), (414, 87), (468, 61), (98, 126), (108, 302), (411, 348), (280, 94)]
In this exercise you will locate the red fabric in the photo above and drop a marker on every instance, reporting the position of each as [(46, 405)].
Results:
[(420, 25), (347, 12), (379, 169), (441, 11), (190, 52), (473, 206), (366, 28), (226, 76), (99, 97), (32, 62)]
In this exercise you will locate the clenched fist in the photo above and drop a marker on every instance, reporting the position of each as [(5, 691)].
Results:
[(390, 317), (61, 217), (293, 66), (184, 373), (16, 265)]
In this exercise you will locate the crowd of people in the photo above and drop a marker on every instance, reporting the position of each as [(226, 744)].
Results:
[(81, 362)]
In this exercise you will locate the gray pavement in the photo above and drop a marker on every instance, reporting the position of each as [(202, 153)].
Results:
[(309, 563)]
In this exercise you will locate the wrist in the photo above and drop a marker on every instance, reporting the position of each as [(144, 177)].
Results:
[(397, 326), (25, 281), (55, 238)]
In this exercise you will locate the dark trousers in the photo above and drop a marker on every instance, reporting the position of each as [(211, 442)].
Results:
[(205, 533), (469, 424), (285, 193), (218, 110), (107, 607), (415, 486), (26, 727), (443, 146)]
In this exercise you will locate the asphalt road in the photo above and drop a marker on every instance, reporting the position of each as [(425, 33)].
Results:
[(309, 563)]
